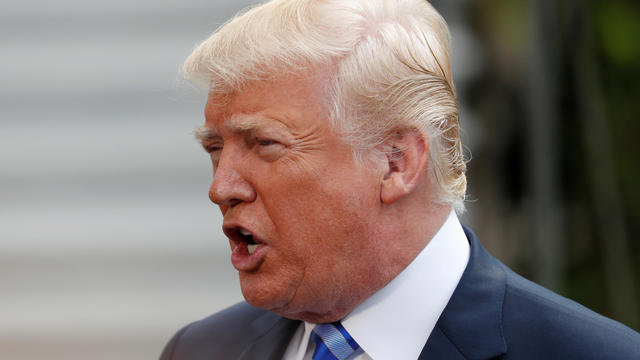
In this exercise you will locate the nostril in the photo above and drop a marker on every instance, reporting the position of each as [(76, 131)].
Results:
[(232, 202)]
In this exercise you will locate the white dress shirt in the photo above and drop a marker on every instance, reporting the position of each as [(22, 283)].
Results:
[(395, 323)]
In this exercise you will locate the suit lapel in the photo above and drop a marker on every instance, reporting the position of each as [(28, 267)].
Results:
[(271, 335), (470, 327), (440, 347)]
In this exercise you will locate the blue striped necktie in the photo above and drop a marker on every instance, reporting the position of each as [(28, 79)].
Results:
[(333, 342)]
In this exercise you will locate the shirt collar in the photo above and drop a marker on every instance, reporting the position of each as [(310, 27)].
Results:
[(405, 311)]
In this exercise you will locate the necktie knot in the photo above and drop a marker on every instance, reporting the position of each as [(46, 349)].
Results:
[(333, 342)]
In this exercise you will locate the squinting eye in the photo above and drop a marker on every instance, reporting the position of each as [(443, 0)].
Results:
[(268, 149), (266, 142), (213, 149), (214, 153)]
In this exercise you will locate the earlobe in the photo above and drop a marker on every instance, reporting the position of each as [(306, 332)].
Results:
[(393, 188), (407, 157)]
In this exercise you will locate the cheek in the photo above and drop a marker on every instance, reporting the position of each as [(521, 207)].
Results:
[(320, 221), (316, 207)]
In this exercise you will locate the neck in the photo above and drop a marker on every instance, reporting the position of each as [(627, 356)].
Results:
[(395, 242)]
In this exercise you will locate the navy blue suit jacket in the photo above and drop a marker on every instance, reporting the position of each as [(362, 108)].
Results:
[(493, 314)]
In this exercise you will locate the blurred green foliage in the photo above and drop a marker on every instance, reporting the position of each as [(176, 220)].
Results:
[(618, 43), (618, 27), (499, 97)]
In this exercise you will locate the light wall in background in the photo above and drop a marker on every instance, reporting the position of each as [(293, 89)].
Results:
[(108, 243)]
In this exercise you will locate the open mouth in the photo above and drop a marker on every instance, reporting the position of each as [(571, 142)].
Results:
[(248, 251), (243, 237), (252, 245)]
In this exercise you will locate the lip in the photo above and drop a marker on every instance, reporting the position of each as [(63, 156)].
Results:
[(240, 257), (243, 261)]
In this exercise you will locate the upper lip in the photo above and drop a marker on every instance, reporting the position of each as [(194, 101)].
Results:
[(233, 232)]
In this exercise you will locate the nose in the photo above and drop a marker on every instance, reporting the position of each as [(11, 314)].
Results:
[(229, 187)]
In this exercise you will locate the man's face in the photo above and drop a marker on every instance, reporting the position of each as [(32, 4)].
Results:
[(298, 210)]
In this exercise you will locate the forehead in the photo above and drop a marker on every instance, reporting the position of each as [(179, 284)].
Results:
[(291, 103)]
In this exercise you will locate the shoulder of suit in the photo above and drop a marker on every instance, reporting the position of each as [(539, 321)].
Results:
[(542, 323), (217, 336), (230, 318)]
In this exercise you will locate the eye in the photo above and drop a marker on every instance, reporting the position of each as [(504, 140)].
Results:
[(212, 146), (267, 148), (266, 142), (213, 149)]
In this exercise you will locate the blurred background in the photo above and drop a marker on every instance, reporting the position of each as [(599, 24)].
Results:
[(108, 243)]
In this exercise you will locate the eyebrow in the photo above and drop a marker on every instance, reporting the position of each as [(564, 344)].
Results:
[(235, 124), (204, 133), (240, 123)]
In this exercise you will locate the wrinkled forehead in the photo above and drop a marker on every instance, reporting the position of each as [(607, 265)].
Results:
[(236, 123), (322, 75), (311, 90), (291, 105)]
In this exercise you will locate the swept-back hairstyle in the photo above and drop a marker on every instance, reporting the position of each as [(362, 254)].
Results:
[(390, 63)]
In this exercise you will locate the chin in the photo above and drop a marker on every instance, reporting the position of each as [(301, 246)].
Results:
[(277, 302), (264, 294)]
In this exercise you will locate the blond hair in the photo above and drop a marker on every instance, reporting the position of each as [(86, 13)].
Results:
[(391, 63)]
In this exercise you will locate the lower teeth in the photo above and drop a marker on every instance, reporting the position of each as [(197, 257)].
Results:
[(252, 248)]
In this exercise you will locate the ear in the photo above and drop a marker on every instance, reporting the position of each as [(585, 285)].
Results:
[(407, 155)]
